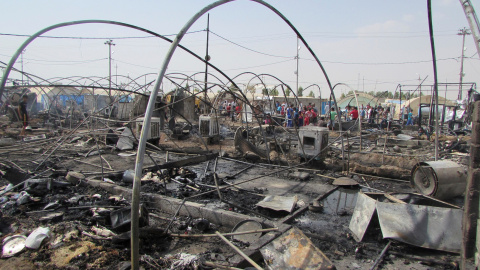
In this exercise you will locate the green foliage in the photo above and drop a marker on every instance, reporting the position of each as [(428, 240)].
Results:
[(251, 88), (274, 92), (342, 96), (287, 92), (388, 94), (300, 91), (233, 88), (311, 94)]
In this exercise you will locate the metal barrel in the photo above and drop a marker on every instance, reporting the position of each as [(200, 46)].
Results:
[(442, 179)]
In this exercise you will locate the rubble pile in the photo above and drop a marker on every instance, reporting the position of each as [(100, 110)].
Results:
[(226, 195)]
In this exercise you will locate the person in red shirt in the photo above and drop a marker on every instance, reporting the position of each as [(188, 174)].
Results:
[(238, 110), (306, 120), (354, 113), (313, 116), (268, 119), (229, 110)]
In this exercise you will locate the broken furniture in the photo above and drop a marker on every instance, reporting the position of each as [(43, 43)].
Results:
[(314, 141)]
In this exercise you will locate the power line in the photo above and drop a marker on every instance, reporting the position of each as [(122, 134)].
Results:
[(64, 37), (67, 61), (384, 63), (123, 62), (274, 63), (263, 65), (359, 35), (335, 62), (252, 50)]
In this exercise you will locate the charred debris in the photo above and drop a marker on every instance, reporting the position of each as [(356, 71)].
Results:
[(231, 183)]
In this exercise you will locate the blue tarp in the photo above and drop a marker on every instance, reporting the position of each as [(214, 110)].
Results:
[(64, 98), (125, 99), (324, 103)]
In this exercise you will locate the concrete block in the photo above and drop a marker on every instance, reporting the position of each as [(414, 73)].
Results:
[(193, 209)]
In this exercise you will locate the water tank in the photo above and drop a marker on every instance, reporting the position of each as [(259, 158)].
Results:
[(208, 125)]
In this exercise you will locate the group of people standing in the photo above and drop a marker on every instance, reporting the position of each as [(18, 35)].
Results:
[(373, 115), (303, 115), (351, 114), (231, 109)]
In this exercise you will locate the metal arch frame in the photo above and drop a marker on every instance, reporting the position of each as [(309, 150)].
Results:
[(39, 33), (257, 76), (260, 79), (241, 96), (221, 84), (286, 101), (76, 79), (145, 129), (195, 82), (359, 119), (29, 76), (179, 86), (319, 90), (151, 104)]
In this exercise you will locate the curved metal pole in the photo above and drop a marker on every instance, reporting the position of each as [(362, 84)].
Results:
[(359, 121), (175, 43), (39, 33), (435, 84), (151, 105), (339, 122)]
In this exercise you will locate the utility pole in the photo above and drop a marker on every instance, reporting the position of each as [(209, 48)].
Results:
[(296, 72), (110, 44), (420, 88), (462, 32), (473, 22), (207, 58), (22, 65)]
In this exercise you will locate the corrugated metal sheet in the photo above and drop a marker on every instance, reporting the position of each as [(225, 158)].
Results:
[(419, 225)]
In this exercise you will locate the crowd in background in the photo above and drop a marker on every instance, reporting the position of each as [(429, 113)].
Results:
[(304, 115)]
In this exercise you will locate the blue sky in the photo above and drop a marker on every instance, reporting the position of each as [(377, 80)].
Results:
[(370, 45)]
